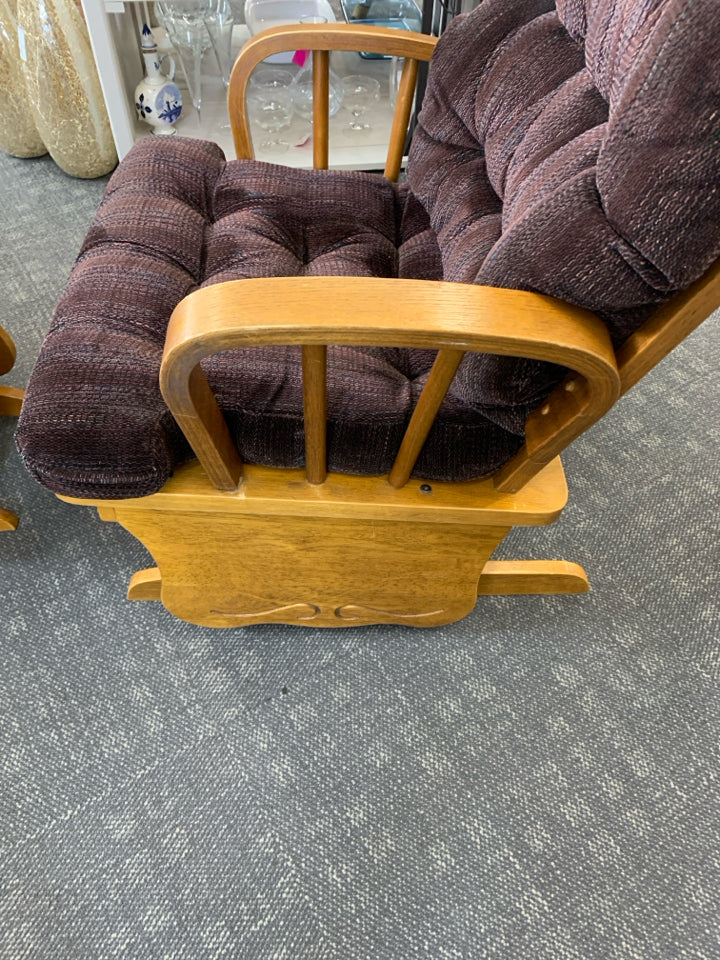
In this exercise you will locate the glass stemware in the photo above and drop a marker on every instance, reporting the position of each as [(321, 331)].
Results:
[(303, 83), (360, 93), (219, 20), (397, 65), (302, 89), (269, 76), (192, 27), (271, 107), (184, 23)]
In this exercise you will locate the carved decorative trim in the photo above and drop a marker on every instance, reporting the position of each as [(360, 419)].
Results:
[(345, 614), (298, 611), (355, 611)]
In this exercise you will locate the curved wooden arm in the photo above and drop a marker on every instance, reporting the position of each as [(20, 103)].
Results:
[(326, 37), (314, 311)]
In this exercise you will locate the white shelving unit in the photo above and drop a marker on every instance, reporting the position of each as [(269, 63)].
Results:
[(114, 27)]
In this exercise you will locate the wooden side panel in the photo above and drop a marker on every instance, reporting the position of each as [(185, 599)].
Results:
[(222, 570)]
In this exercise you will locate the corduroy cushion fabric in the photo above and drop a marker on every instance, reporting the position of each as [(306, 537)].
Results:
[(570, 150)]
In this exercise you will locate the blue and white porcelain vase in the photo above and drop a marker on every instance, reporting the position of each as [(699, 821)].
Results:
[(158, 100)]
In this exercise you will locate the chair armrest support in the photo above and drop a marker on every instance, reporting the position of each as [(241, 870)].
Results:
[(316, 311)]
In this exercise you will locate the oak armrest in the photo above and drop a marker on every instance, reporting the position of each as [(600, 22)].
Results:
[(452, 317)]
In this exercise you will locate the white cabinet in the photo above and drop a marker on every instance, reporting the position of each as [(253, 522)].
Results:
[(114, 27)]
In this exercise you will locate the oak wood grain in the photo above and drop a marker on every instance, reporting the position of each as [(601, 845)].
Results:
[(145, 585), (11, 399), (8, 521), (531, 577), (321, 109), (314, 366), (7, 351), (401, 119), (433, 393), (278, 491), (379, 312), (223, 569)]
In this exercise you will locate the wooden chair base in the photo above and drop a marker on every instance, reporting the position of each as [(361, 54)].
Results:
[(11, 399), (352, 551), (8, 520), (531, 577), (498, 577)]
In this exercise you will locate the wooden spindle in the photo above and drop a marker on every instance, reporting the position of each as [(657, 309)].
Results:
[(314, 364), (321, 112), (401, 119), (438, 383)]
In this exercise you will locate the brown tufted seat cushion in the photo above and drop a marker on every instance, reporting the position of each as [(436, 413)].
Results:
[(570, 150), (175, 216)]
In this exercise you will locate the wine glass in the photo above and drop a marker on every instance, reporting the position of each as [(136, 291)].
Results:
[(271, 107), (359, 94), (219, 20), (303, 93), (269, 76)]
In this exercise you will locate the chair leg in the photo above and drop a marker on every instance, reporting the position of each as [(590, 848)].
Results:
[(11, 399), (145, 585), (532, 576), (8, 521)]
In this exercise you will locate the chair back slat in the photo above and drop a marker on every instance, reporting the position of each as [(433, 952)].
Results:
[(321, 39), (314, 366), (401, 119), (432, 396), (321, 109), (550, 428)]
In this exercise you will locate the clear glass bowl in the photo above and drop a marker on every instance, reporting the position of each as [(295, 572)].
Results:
[(302, 88)]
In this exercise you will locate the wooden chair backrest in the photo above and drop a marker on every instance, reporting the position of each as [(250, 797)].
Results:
[(321, 39), (205, 322)]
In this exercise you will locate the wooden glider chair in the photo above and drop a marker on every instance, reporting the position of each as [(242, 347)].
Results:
[(399, 366), (10, 402)]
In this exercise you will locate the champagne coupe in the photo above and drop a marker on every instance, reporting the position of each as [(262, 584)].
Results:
[(269, 76), (359, 95), (303, 83), (270, 105)]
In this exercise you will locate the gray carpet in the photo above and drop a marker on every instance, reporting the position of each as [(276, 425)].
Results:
[(539, 780)]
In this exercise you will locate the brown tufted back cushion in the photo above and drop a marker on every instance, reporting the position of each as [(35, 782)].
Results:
[(575, 152)]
